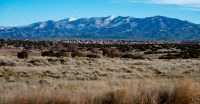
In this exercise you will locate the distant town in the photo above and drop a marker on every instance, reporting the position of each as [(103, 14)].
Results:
[(8, 42), (130, 42)]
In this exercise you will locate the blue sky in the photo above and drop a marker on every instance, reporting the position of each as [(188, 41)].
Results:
[(24, 12)]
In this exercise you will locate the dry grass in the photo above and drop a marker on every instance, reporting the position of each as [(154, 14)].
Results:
[(183, 91), (43, 80)]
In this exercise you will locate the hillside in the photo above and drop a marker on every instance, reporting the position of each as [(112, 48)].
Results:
[(111, 27)]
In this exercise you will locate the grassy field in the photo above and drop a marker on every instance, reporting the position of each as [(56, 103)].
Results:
[(51, 80)]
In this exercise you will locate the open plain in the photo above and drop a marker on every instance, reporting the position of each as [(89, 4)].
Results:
[(82, 80), (99, 52)]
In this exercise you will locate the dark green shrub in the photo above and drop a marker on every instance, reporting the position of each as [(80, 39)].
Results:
[(62, 54), (173, 51), (169, 56), (52, 60), (127, 56), (138, 57), (186, 56), (142, 49), (78, 54), (48, 53), (93, 56), (133, 56), (22, 54), (106, 52)]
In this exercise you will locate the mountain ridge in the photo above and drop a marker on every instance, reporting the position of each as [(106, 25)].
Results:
[(110, 27)]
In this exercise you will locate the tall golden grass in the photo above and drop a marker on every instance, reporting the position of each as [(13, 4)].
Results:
[(184, 91), (41, 80)]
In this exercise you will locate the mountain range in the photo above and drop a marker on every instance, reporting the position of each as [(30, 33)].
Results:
[(111, 27)]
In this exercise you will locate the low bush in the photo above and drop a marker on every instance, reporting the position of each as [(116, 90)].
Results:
[(93, 56), (138, 57), (115, 53), (78, 54), (133, 56), (106, 52), (48, 53), (127, 56), (61, 54), (22, 54), (51, 53), (169, 56)]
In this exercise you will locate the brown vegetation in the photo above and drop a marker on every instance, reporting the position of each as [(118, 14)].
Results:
[(99, 74), (183, 91), (82, 80)]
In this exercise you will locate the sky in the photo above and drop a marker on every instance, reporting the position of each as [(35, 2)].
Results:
[(24, 12)]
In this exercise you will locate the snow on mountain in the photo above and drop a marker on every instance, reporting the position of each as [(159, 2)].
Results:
[(121, 21), (42, 25), (39, 25), (110, 18), (2, 27), (67, 19), (111, 27), (72, 19)]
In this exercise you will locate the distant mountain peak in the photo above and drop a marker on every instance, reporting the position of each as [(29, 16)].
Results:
[(111, 17), (110, 27), (68, 19)]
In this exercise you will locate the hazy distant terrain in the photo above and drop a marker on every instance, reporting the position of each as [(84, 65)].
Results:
[(112, 27)]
